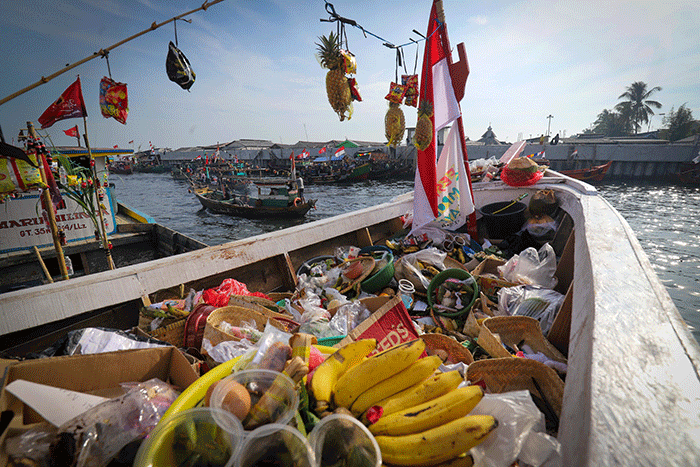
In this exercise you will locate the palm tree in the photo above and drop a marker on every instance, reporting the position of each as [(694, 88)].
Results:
[(637, 104)]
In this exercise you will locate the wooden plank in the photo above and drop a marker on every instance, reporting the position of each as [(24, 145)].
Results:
[(559, 332)]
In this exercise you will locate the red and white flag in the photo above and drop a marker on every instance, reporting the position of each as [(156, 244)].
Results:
[(72, 132), (439, 195), (340, 152), (322, 150), (69, 105), (116, 146), (198, 158)]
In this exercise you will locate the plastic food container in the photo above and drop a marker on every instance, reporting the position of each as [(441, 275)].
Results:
[(274, 398), (274, 444), (200, 436), (340, 439)]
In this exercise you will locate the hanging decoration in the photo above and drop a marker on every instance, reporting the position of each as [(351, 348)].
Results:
[(395, 120), (177, 66), (339, 63), (114, 99)]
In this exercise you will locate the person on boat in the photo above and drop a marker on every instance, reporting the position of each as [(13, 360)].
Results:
[(541, 140), (555, 140), (300, 188)]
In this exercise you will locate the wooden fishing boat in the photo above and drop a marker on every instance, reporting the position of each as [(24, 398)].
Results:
[(595, 173), (278, 204), (120, 168), (632, 393)]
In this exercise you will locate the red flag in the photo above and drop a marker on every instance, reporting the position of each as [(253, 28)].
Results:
[(436, 93), (322, 150), (131, 142), (72, 132), (116, 146), (69, 105)]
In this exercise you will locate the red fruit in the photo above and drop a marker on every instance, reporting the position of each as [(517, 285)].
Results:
[(315, 358)]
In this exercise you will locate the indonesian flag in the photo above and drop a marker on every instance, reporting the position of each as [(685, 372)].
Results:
[(294, 167), (322, 150), (198, 158), (216, 155), (440, 196), (72, 132), (340, 151), (304, 154), (69, 105)]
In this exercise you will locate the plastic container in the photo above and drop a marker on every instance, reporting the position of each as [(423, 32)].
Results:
[(274, 444), (280, 408), (340, 439), (505, 223), (453, 273), (213, 434)]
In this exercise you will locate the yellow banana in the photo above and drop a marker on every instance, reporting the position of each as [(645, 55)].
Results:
[(439, 444), (464, 460), (428, 389), (456, 403), (327, 373), (374, 369), (414, 374)]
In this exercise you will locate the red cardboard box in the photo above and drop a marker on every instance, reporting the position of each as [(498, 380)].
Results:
[(390, 325)]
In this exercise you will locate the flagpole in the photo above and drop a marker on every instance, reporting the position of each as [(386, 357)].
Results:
[(48, 205), (458, 74), (102, 230)]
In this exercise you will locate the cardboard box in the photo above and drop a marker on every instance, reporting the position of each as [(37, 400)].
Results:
[(97, 374), (389, 323)]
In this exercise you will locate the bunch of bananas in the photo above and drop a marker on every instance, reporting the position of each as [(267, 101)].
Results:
[(418, 416)]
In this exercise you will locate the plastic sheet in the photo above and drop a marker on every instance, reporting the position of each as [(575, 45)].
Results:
[(520, 433)]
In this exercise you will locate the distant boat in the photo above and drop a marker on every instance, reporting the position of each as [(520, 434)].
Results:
[(279, 204), (594, 173), (690, 173), (120, 167)]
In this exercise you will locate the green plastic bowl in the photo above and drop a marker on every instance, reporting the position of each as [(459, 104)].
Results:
[(441, 277), (381, 278)]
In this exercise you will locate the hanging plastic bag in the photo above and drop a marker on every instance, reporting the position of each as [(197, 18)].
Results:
[(178, 68)]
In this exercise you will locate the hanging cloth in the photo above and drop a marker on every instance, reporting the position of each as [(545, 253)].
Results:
[(178, 68), (114, 100)]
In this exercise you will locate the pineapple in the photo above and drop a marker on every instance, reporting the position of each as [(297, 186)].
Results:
[(394, 124), (337, 87), (424, 127)]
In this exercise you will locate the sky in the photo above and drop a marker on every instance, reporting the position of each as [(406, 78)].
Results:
[(257, 75)]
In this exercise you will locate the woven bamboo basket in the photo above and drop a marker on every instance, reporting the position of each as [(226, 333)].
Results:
[(235, 316), (517, 330), (260, 305), (173, 333), (512, 374), (456, 352)]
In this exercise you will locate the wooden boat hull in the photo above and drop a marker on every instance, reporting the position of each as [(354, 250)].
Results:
[(255, 212), (632, 394), (593, 174), (690, 174)]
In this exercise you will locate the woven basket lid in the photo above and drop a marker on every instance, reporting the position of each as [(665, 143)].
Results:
[(512, 374), (517, 329), (456, 352)]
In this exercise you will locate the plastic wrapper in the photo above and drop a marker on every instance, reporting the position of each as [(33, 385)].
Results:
[(314, 319), (247, 330), (270, 336), (31, 448), (532, 267), (409, 266), (396, 93), (348, 317), (227, 350), (178, 68), (539, 303), (220, 295), (96, 436), (520, 433), (97, 340)]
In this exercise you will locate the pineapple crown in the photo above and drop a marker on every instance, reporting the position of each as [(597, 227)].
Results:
[(329, 51)]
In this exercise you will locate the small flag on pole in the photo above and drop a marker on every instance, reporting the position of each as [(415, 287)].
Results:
[(322, 150), (131, 142), (116, 146), (69, 105), (340, 152), (73, 132)]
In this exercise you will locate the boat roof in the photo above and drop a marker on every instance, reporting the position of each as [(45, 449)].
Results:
[(78, 151)]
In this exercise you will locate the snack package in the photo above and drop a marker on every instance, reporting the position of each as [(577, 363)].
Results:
[(410, 82), (349, 62), (396, 93)]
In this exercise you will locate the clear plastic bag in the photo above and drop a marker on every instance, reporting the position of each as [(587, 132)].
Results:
[(532, 267), (520, 433), (31, 447), (348, 316), (407, 267), (96, 436), (527, 300)]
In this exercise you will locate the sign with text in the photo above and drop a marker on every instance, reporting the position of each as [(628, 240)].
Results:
[(24, 223)]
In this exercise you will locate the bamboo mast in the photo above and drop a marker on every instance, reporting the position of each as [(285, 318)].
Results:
[(104, 52), (96, 184), (48, 205)]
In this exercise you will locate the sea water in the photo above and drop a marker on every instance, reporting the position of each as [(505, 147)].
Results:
[(665, 218)]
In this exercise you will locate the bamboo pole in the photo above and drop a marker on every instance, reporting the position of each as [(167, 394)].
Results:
[(43, 265), (102, 229), (48, 205), (104, 52)]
